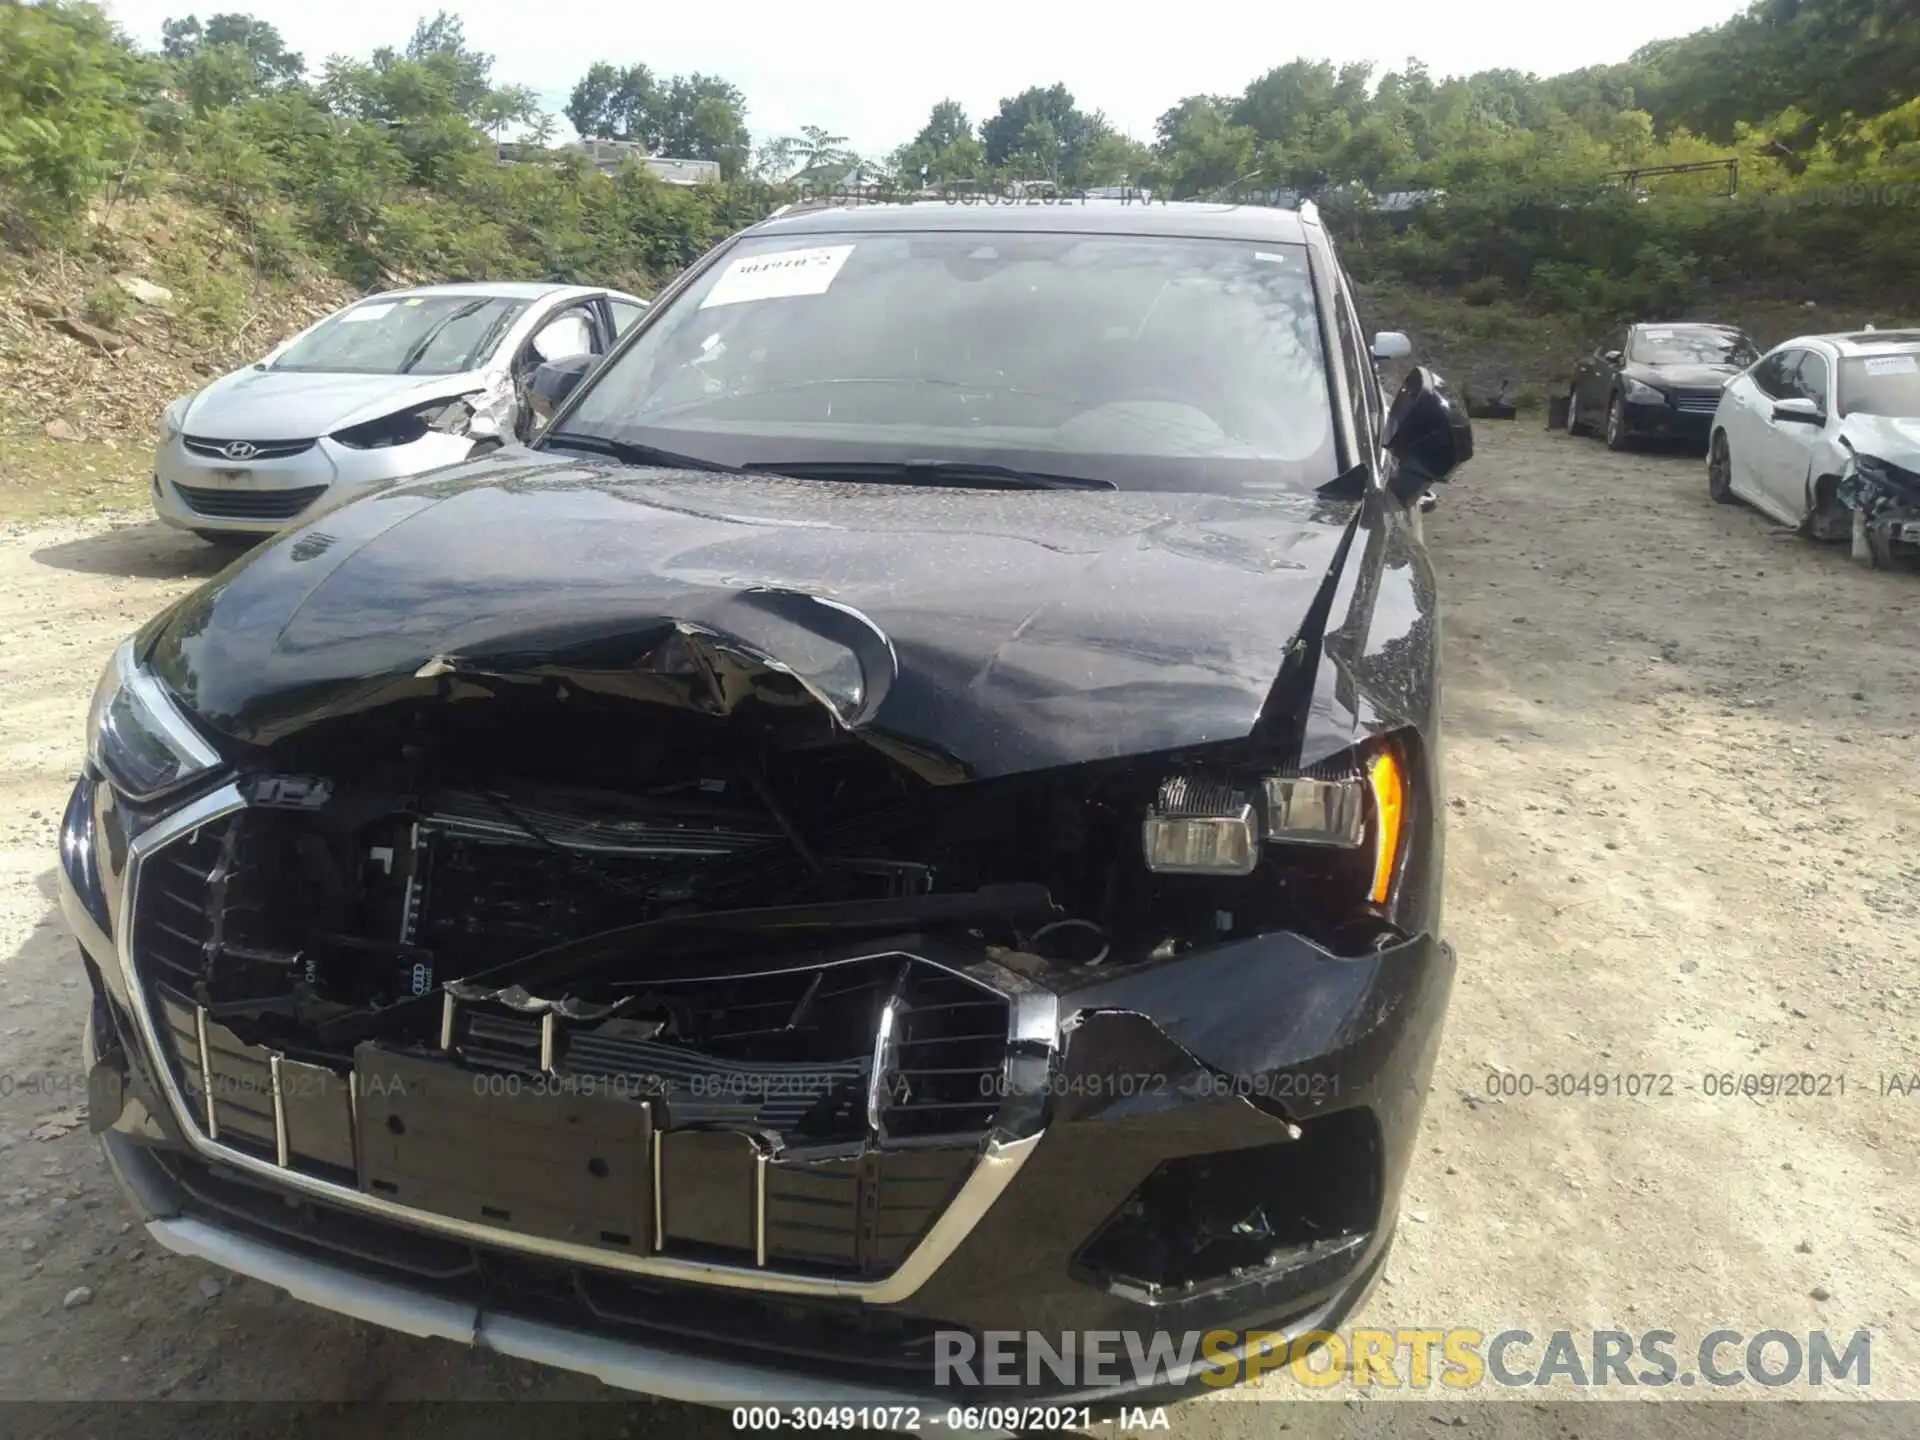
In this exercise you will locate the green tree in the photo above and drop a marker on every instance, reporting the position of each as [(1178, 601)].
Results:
[(944, 151), (272, 64), (71, 92), (612, 102), (1040, 126)]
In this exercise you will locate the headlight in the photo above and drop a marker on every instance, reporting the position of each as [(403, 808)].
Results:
[(1642, 393), (448, 417), (174, 418), (137, 738), (1212, 826)]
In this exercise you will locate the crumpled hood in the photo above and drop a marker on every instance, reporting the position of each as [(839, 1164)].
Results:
[(1892, 438), (1001, 631), (1682, 377), (254, 404)]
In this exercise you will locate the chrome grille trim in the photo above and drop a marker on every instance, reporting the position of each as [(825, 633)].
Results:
[(206, 1064), (210, 449), (995, 1168), (279, 1112)]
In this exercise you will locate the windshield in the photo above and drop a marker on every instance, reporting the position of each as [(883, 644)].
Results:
[(416, 335), (1148, 362), (1672, 345), (1881, 385)]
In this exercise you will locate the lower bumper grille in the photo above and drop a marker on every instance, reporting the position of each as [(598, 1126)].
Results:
[(249, 504), (835, 1336)]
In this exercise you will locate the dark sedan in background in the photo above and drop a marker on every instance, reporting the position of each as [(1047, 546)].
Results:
[(914, 808), (1656, 382)]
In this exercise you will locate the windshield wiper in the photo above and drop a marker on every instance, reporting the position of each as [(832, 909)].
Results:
[(419, 349), (630, 454), (933, 472)]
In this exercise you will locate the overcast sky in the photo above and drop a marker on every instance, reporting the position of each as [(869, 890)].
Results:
[(853, 68)]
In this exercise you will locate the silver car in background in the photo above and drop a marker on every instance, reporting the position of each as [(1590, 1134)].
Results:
[(393, 385)]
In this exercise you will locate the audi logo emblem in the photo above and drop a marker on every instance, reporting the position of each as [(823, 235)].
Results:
[(240, 450)]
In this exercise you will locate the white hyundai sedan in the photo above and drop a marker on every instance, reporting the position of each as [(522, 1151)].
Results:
[(1823, 434), (391, 386)]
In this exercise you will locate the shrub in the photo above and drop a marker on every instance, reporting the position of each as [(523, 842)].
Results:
[(1484, 291), (70, 94)]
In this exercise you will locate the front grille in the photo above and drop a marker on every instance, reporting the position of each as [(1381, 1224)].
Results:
[(261, 449), (927, 1082), (1696, 402), (249, 504), (946, 1062)]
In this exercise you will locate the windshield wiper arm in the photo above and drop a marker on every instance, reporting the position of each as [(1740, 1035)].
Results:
[(628, 453), (420, 346), (933, 472)]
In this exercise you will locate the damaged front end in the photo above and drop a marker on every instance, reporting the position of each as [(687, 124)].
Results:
[(635, 980), (1884, 500)]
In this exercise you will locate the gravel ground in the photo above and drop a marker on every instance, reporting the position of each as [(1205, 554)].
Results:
[(1684, 768)]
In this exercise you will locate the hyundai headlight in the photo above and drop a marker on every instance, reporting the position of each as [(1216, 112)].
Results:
[(1642, 393), (137, 738), (174, 418), (455, 416)]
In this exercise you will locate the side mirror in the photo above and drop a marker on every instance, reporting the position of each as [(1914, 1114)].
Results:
[(1391, 345), (1613, 357), (1798, 410), (1428, 434), (554, 381)]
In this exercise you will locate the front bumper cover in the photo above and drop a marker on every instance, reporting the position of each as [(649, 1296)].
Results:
[(1236, 1050), (1662, 421)]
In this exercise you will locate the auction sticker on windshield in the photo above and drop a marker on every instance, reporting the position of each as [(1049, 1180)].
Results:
[(773, 277), (1892, 364), (360, 314)]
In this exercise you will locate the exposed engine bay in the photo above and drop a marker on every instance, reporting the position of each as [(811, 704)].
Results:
[(592, 858), (790, 973)]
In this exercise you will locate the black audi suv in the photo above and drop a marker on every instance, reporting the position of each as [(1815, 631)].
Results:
[(912, 809)]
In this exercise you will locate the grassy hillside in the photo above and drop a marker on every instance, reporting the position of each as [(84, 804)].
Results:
[(88, 368)]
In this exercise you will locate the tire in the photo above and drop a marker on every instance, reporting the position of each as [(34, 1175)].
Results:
[(1617, 437), (1575, 425), (1816, 524), (1720, 470)]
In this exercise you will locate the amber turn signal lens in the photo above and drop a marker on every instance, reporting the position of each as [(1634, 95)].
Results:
[(1389, 784)]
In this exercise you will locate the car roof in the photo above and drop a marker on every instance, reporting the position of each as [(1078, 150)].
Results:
[(1688, 325), (1069, 216), (1860, 342), (503, 289)]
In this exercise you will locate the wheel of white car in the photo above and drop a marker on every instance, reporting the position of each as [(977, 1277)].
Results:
[(1720, 470)]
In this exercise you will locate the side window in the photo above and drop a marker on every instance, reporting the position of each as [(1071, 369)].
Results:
[(1771, 375), (562, 336), (1811, 378), (625, 312)]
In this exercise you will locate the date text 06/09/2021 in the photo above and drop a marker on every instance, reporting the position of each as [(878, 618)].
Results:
[(913, 1419)]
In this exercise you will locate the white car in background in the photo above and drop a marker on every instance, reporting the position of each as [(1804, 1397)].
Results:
[(1823, 434), (391, 386)]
